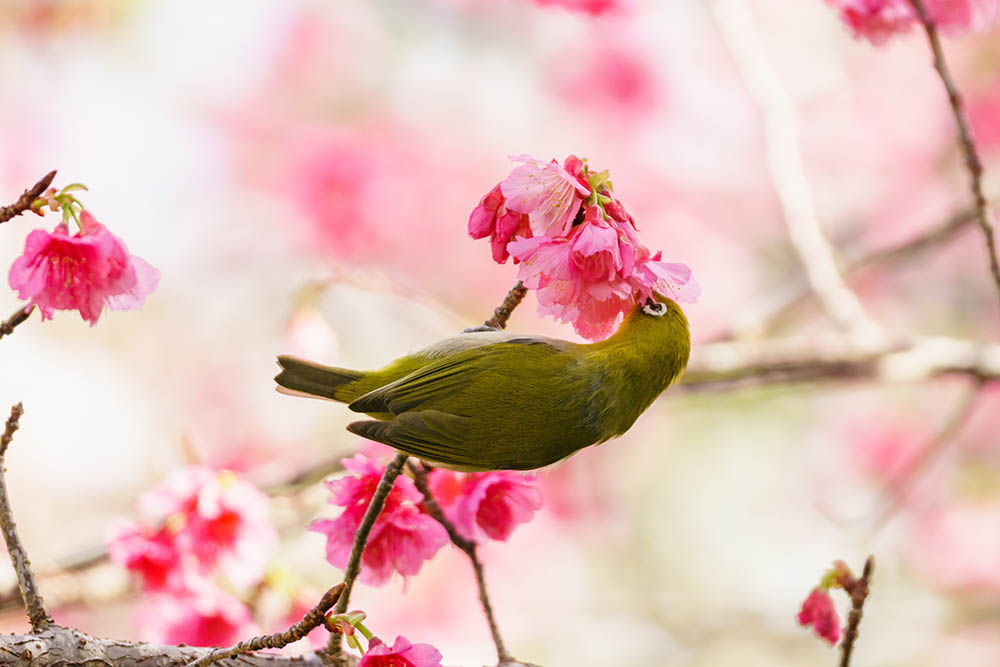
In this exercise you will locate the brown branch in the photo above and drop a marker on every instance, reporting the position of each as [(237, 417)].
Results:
[(469, 547), (858, 590), (502, 313), (20, 315), (965, 142), (798, 295), (64, 647), (312, 620), (32, 599), (809, 359), (24, 201), (375, 505)]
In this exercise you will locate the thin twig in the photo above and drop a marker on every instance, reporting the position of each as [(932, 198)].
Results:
[(798, 294), (20, 315), (312, 620), (788, 173), (432, 507), (965, 142), (392, 471), (898, 487), (858, 590), (33, 604), (503, 311), (24, 201)]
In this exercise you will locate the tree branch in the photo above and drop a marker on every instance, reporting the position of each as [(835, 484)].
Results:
[(503, 311), (965, 142), (24, 201), (788, 173), (312, 620), (858, 590), (469, 547), (392, 471), (57, 646), (735, 365), (32, 599), (796, 295), (20, 315)]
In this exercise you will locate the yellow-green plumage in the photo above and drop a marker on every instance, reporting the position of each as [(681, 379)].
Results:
[(502, 401)]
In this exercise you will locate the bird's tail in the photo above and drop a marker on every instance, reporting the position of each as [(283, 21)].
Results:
[(299, 377)]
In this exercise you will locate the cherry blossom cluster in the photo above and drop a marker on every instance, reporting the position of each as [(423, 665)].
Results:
[(200, 528), (576, 244), (86, 271), (878, 20), (481, 505)]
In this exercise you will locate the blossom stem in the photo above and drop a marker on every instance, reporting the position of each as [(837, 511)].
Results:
[(38, 615), (858, 590), (503, 311), (25, 200), (965, 142), (469, 547), (7, 326), (313, 619), (392, 471)]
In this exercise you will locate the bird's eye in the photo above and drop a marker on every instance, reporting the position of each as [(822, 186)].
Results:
[(655, 308)]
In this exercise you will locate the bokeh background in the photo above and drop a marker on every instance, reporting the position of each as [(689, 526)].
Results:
[(302, 172)]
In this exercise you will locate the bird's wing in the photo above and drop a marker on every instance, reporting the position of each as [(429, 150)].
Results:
[(428, 434), (447, 374)]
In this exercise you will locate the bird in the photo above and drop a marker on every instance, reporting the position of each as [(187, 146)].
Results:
[(498, 400)]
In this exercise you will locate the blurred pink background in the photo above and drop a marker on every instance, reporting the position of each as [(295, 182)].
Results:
[(302, 173)]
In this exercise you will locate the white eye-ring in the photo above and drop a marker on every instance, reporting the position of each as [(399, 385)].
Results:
[(655, 308)]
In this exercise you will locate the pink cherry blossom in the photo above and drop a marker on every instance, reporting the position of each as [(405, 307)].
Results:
[(818, 611), (401, 654), (592, 7), (217, 518), (151, 553), (878, 20), (402, 537), (86, 271), (491, 218), (670, 279), (486, 503), (204, 616), (550, 194)]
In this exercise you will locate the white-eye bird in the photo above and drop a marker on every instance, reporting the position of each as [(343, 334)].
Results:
[(496, 400)]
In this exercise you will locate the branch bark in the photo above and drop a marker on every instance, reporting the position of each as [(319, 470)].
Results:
[(24, 201), (965, 142), (57, 646), (469, 548), (32, 599)]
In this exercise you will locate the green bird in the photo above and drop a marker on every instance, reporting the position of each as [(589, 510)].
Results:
[(496, 400)]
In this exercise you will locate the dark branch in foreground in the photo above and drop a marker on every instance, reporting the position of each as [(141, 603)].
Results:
[(858, 590), (19, 316), (392, 471), (24, 201), (312, 620), (965, 142), (467, 546), (32, 599), (64, 647)]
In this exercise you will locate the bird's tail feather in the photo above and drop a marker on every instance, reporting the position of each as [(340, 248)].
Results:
[(302, 377)]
